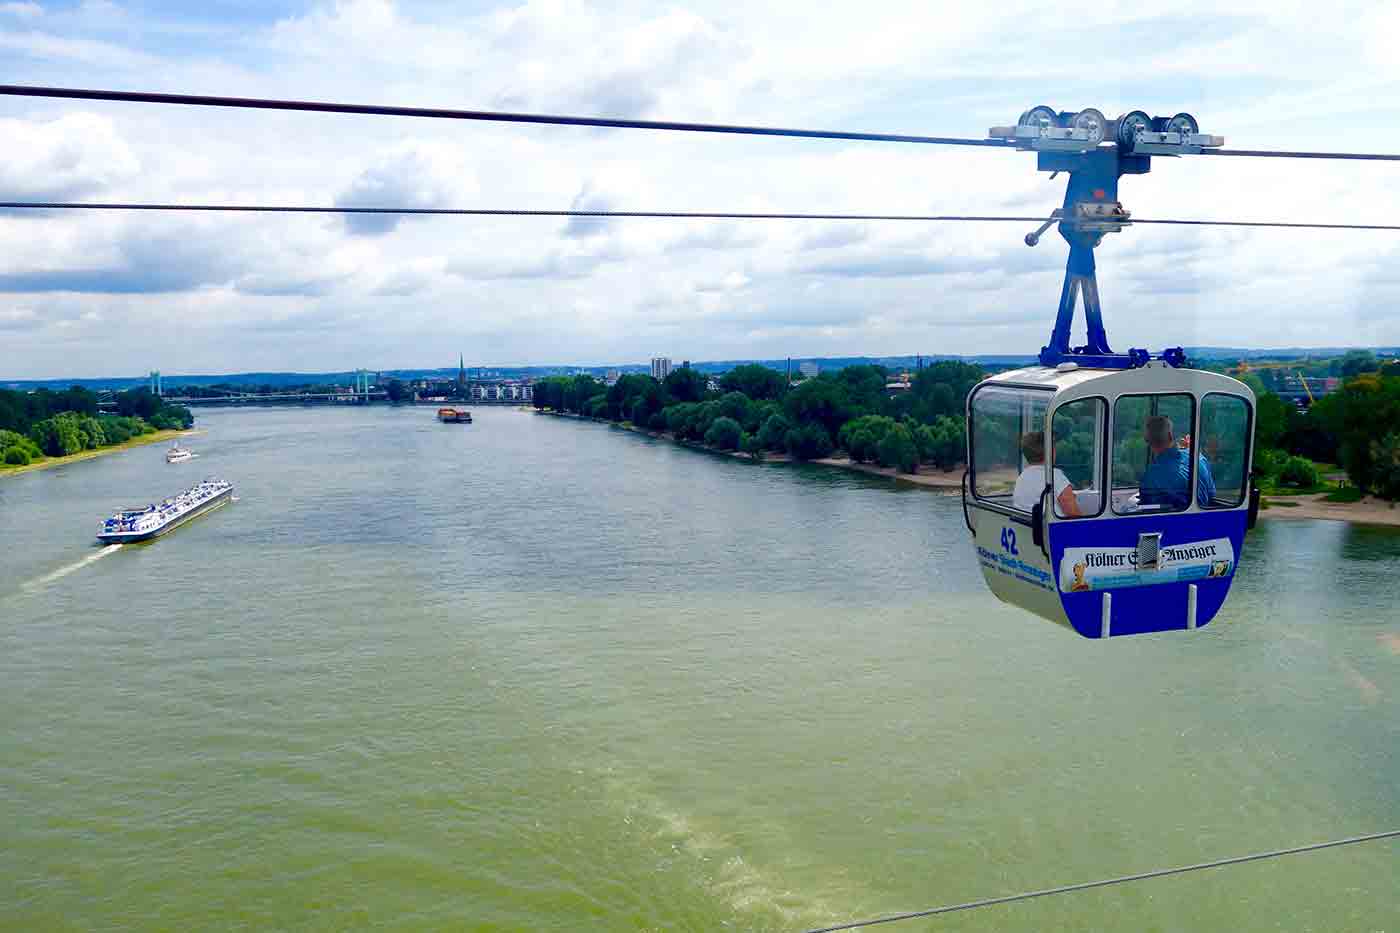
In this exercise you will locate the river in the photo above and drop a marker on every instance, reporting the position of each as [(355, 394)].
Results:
[(541, 674)]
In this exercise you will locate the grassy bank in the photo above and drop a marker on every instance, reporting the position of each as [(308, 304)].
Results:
[(47, 462)]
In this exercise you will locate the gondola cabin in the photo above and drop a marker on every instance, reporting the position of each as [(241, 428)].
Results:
[(1113, 502)]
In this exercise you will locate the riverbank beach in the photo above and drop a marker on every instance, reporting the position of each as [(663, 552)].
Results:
[(141, 441), (1366, 511)]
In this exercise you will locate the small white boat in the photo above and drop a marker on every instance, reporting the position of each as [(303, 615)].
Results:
[(178, 454)]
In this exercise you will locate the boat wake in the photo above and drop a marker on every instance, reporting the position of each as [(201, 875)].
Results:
[(64, 571)]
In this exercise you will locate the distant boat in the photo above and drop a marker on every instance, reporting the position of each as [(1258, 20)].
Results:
[(454, 416), (156, 519), (178, 454)]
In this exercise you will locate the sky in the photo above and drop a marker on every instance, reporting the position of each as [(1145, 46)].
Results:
[(104, 294)]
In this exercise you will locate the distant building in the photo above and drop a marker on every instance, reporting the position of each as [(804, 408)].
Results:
[(612, 376), (660, 367), (808, 369)]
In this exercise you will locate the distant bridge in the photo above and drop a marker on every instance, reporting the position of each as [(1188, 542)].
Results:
[(282, 398)]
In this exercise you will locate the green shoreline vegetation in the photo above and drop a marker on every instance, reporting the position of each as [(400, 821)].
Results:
[(43, 463), (1347, 440), (753, 410), (45, 428)]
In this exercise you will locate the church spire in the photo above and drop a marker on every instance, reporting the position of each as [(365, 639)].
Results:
[(461, 370)]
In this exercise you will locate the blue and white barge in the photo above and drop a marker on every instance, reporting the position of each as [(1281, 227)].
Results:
[(156, 519)]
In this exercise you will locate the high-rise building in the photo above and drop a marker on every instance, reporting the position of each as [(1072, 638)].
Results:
[(660, 367), (808, 369)]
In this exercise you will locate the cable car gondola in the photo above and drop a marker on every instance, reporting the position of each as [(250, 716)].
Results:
[(1108, 492)]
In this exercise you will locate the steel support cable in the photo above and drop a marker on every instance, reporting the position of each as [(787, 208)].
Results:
[(498, 116), (1122, 879), (675, 215), (1284, 154), (494, 212), (491, 116)]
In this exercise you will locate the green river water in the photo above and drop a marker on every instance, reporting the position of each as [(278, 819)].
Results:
[(537, 674)]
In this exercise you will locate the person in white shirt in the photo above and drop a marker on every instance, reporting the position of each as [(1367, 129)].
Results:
[(1031, 482)]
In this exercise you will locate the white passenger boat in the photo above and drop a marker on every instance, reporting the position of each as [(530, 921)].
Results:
[(178, 454), (157, 518)]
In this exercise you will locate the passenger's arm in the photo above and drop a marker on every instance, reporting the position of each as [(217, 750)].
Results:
[(1068, 502)]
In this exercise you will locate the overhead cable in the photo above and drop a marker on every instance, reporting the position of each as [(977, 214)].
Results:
[(673, 215), (1286, 154), (500, 116), (1122, 879), (493, 116), (493, 212)]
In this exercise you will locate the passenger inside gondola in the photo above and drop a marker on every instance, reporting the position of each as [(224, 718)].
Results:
[(1032, 479), (1166, 481)]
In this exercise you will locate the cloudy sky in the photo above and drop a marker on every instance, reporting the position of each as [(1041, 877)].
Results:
[(106, 294)]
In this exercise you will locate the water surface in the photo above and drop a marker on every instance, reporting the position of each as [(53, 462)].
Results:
[(537, 674)]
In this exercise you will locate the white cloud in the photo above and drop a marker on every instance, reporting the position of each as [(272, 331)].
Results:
[(70, 157), (234, 292), (414, 175), (21, 10)]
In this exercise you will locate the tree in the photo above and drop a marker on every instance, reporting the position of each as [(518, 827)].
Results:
[(13, 440), (1271, 420), (750, 445), (861, 436), (822, 400), (1357, 362), (725, 433), (1385, 455), (58, 436), (686, 384), (808, 442), (865, 389), (735, 405), (92, 434), (942, 388), (1300, 472), (754, 380), (896, 449), (396, 390), (944, 443), (579, 392), (623, 395), (549, 393), (1366, 408), (759, 413), (773, 434), (16, 456), (140, 402)]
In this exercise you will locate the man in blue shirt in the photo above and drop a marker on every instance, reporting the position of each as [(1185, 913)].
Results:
[(1167, 480)]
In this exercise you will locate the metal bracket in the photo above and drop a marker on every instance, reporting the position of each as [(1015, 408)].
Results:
[(1033, 238)]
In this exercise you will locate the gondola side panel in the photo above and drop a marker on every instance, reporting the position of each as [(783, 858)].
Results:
[(1016, 569), (1091, 558)]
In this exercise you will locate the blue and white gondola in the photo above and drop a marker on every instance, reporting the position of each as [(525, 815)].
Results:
[(1123, 565)]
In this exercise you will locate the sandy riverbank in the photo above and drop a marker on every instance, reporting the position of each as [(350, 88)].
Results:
[(1368, 511), (141, 441), (934, 478)]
